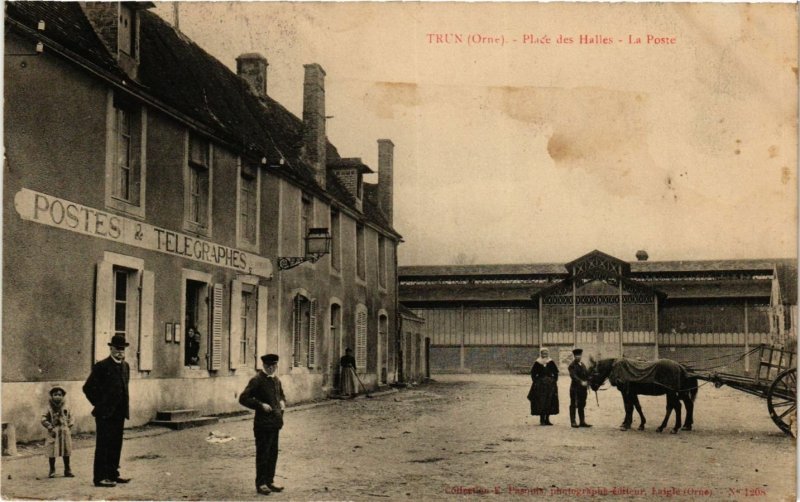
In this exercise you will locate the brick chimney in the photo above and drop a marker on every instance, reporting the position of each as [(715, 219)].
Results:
[(252, 67), (386, 177), (314, 138)]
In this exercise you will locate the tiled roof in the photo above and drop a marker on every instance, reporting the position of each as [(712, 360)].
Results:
[(177, 72)]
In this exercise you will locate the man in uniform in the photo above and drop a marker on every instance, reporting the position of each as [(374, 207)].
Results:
[(107, 390), (578, 389), (265, 395)]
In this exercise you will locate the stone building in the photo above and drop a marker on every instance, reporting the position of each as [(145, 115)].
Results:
[(485, 318), (148, 189)]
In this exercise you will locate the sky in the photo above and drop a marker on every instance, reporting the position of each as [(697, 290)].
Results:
[(511, 147)]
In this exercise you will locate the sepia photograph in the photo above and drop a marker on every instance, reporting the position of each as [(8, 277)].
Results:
[(399, 250)]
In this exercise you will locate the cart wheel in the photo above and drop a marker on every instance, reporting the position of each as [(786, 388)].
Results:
[(782, 400)]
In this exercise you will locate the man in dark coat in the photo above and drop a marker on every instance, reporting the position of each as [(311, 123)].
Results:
[(265, 395), (107, 390), (578, 389)]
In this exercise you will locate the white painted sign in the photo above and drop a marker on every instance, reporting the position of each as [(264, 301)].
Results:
[(60, 213)]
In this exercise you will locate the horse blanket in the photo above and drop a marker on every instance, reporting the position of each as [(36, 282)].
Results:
[(663, 372)]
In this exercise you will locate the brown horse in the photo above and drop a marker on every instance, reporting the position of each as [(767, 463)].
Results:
[(657, 378)]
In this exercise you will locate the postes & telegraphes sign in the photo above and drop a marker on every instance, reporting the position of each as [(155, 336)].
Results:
[(61, 213)]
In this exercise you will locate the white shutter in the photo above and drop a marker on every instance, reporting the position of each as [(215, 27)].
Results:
[(146, 321), (312, 334), (235, 324), (103, 309), (361, 340), (261, 325), (215, 362)]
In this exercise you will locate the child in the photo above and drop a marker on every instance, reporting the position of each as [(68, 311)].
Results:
[(58, 421)]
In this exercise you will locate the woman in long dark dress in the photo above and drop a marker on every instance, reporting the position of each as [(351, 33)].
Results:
[(544, 391)]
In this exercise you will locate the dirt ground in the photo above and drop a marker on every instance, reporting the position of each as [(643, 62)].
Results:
[(466, 435)]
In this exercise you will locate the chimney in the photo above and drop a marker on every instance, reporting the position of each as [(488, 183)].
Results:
[(252, 67), (641, 255), (386, 177), (314, 138)]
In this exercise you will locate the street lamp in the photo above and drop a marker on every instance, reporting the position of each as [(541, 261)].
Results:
[(318, 244)]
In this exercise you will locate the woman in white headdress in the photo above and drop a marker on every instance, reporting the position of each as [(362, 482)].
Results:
[(543, 394)]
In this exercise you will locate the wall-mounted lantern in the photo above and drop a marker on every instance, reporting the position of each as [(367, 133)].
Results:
[(318, 244)]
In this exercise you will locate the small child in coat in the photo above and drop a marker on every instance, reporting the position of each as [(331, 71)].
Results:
[(58, 422)]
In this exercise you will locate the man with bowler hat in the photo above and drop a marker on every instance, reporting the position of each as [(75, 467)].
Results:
[(107, 390), (578, 389), (265, 395)]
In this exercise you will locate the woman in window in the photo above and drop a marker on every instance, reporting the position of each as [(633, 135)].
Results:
[(192, 346), (543, 394), (347, 370)]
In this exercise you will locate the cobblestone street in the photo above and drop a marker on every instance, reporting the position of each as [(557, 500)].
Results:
[(454, 435)]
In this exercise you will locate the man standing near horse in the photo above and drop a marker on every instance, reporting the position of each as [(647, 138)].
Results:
[(578, 389)]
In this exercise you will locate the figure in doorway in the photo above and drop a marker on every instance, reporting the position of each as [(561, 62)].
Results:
[(543, 394), (347, 369), (192, 346)]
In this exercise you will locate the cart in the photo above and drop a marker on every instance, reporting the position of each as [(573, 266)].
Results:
[(775, 379)]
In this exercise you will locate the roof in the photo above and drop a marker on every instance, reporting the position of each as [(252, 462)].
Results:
[(637, 267), (409, 314), (350, 163), (179, 74)]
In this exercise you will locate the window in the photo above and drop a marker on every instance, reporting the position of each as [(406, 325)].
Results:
[(124, 298), (127, 30), (248, 205), (306, 221), (336, 262), (382, 261), (360, 265), (122, 313), (361, 338), (125, 157), (304, 332), (198, 184), (247, 316), (195, 324)]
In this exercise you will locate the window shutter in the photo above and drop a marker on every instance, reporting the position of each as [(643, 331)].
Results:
[(261, 325), (215, 362), (103, 298), (146, 324), (297, 322), (235, 324), (312, 334), (361, 340)]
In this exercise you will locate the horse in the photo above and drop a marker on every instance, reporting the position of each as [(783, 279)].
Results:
[(657, 378)]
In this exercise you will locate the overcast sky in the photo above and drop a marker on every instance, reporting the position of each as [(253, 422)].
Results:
[(542, 152)]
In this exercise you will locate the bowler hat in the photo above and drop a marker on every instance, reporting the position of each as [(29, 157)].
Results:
[(577, 352), (118, 341), (269, 358), (58, 387)]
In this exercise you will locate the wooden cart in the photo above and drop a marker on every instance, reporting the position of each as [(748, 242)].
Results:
[(775, 379)]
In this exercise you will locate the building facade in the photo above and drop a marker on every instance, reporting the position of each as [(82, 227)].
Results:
[(151, 192), (485, 318), (414, 352)]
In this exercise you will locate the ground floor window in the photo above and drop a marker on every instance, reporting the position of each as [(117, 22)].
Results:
[(196, 323), (304, 322), (124, 298)]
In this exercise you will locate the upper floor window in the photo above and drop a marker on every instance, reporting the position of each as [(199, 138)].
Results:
[(198, 185), (360, 264), (126, 136), (248, 204), (335, 241), (127, 30), (382, 261)]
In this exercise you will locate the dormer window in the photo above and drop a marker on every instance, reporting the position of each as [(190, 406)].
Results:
[(127, 30), (360, 187)]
